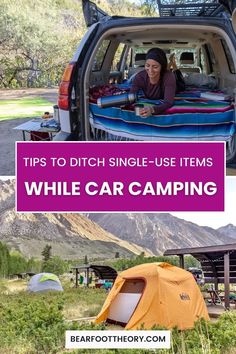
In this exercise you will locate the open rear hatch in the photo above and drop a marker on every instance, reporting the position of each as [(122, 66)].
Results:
[(230, 6), (92, 13)]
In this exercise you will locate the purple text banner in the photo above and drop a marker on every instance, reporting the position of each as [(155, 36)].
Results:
[(119, 176)]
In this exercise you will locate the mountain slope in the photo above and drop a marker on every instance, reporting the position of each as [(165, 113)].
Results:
[(74, 235), (228, 231), (159, 232), (71, 235)]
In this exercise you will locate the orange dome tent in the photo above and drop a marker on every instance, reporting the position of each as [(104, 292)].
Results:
[(154, 294)]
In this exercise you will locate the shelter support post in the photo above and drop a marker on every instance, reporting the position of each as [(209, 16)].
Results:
[(181, 261), (226, 279), (76, 278), (87, 277)]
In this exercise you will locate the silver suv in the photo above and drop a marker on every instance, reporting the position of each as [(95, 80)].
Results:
[(202, 37)]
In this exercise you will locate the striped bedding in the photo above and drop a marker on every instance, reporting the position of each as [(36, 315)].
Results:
[(190, 118)]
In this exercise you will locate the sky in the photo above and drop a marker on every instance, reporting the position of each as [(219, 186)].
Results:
[(212, 219), (216, 219)]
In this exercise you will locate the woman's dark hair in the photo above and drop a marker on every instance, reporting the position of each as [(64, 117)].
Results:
[(158, 55)]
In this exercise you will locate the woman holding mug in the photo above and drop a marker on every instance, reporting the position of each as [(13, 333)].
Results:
[(156, 81)]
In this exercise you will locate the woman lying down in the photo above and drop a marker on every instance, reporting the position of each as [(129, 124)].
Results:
[(156, 81)]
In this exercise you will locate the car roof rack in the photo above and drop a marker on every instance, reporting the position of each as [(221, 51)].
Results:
[(189, 8)]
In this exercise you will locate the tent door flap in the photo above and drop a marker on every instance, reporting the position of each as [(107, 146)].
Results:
[(125, 303)]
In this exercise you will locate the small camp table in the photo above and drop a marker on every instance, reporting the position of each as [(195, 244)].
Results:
[(36, 132)]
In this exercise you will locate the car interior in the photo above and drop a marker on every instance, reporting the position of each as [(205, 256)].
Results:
[(202, 50), (205, 54)]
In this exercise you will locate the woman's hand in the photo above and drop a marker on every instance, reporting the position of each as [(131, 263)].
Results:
[(146, 111)]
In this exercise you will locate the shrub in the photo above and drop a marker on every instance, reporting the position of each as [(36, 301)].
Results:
[(35, 318), (55, 265)]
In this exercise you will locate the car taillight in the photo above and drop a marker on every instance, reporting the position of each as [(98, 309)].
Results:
[(65, 87)]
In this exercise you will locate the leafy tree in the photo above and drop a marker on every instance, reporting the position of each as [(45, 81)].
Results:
[(190, 261), (47, 253), (55, 265), (13, 262), (37, 40), (34, 265), (125, 263), (17, 263), (120, 7), (149, 7), (4, 260)]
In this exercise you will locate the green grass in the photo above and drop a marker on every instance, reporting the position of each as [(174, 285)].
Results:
[(35, 323), (24, 108)]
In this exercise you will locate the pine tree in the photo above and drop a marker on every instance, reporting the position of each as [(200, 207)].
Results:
[(47, 253)]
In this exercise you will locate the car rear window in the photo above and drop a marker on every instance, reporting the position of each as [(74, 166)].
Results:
[(100, 55), (117, 58), (228, 57)]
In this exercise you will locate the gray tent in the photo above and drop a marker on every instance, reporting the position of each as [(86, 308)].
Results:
[(44, 282)]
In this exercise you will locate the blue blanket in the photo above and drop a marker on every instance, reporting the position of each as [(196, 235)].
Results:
[(212, 125)]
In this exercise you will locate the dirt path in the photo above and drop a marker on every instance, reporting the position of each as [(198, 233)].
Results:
[(8, 135)]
